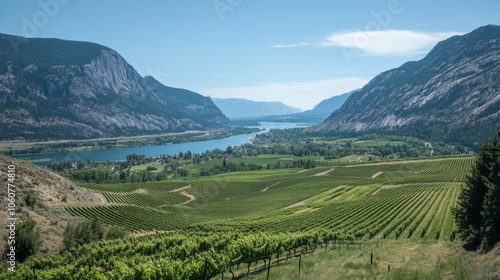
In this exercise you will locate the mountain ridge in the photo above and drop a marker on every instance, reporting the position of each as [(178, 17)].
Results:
[(319, 113), (452, 94), (58, 89), (326, 107), (235, 108)]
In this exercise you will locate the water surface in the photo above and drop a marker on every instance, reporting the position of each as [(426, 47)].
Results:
[(120, 153)]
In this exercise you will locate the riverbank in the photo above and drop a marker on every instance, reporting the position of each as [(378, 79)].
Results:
[(59, 146)]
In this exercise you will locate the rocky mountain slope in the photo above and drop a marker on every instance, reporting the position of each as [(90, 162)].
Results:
[(242, 108), (57, 89), (453, 94)]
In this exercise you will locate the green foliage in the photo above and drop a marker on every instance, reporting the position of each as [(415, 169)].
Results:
[(346, 197), (83, 233), (27, 241), (478, 212), (30, 199), (240, 216), (115, 232), (89, 232)]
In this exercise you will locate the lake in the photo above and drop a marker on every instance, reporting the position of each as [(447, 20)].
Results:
[(120, 153)]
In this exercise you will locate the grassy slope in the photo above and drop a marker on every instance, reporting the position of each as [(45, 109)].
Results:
[(408, 259)]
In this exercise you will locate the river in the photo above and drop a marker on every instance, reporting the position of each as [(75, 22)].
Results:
[(120, 153)]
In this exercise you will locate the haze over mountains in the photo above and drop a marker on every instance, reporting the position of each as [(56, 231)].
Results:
[(319, 113), (235, 108), (453, 94), (327, 106), (58, 89)]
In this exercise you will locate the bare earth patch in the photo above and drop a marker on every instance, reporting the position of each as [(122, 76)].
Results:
[(384, 187), (300, 203), (140, 191), (103, 199), (188, 195), (180, 189), (302, 171), (377, 174), (325, 172), (303, 210), (266, 188)]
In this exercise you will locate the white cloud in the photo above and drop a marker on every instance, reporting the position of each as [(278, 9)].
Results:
[(284, 46), (279, 46), (304, 95), (388, 42)]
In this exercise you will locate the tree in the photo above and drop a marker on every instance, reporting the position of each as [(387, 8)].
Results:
[(490, 214), (477, 214), (83, 233), (27, 239), (90, 231)]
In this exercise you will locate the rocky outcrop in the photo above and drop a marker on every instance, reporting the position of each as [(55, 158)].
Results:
[(453, 94), (56, 89)]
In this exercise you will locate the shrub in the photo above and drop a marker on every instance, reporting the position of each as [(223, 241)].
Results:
[(27, 240)]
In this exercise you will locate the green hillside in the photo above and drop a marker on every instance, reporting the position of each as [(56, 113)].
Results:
[(212, 226)]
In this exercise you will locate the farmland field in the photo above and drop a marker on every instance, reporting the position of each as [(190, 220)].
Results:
[(215, 223)]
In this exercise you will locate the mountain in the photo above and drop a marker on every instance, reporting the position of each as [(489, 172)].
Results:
[(58, 89), (235, 108), (453, 94), (316, 115), (327, 106)]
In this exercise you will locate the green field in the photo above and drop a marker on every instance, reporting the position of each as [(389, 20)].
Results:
[(274, 200), (221, 221)]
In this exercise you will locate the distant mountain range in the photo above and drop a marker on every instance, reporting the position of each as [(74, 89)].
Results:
[(235, 108), (326, 107), (58, 89), (319, 113), (453, 94)]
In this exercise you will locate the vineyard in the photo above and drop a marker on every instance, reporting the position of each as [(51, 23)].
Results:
[(219, 223)]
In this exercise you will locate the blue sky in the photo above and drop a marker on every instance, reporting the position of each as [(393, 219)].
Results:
[(298, 52)]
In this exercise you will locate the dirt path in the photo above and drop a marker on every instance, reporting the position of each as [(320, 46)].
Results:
[(266, 188), (188, 195), (325, 172), (302, 171), (377, 174), (180, 189), (384, 187)]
